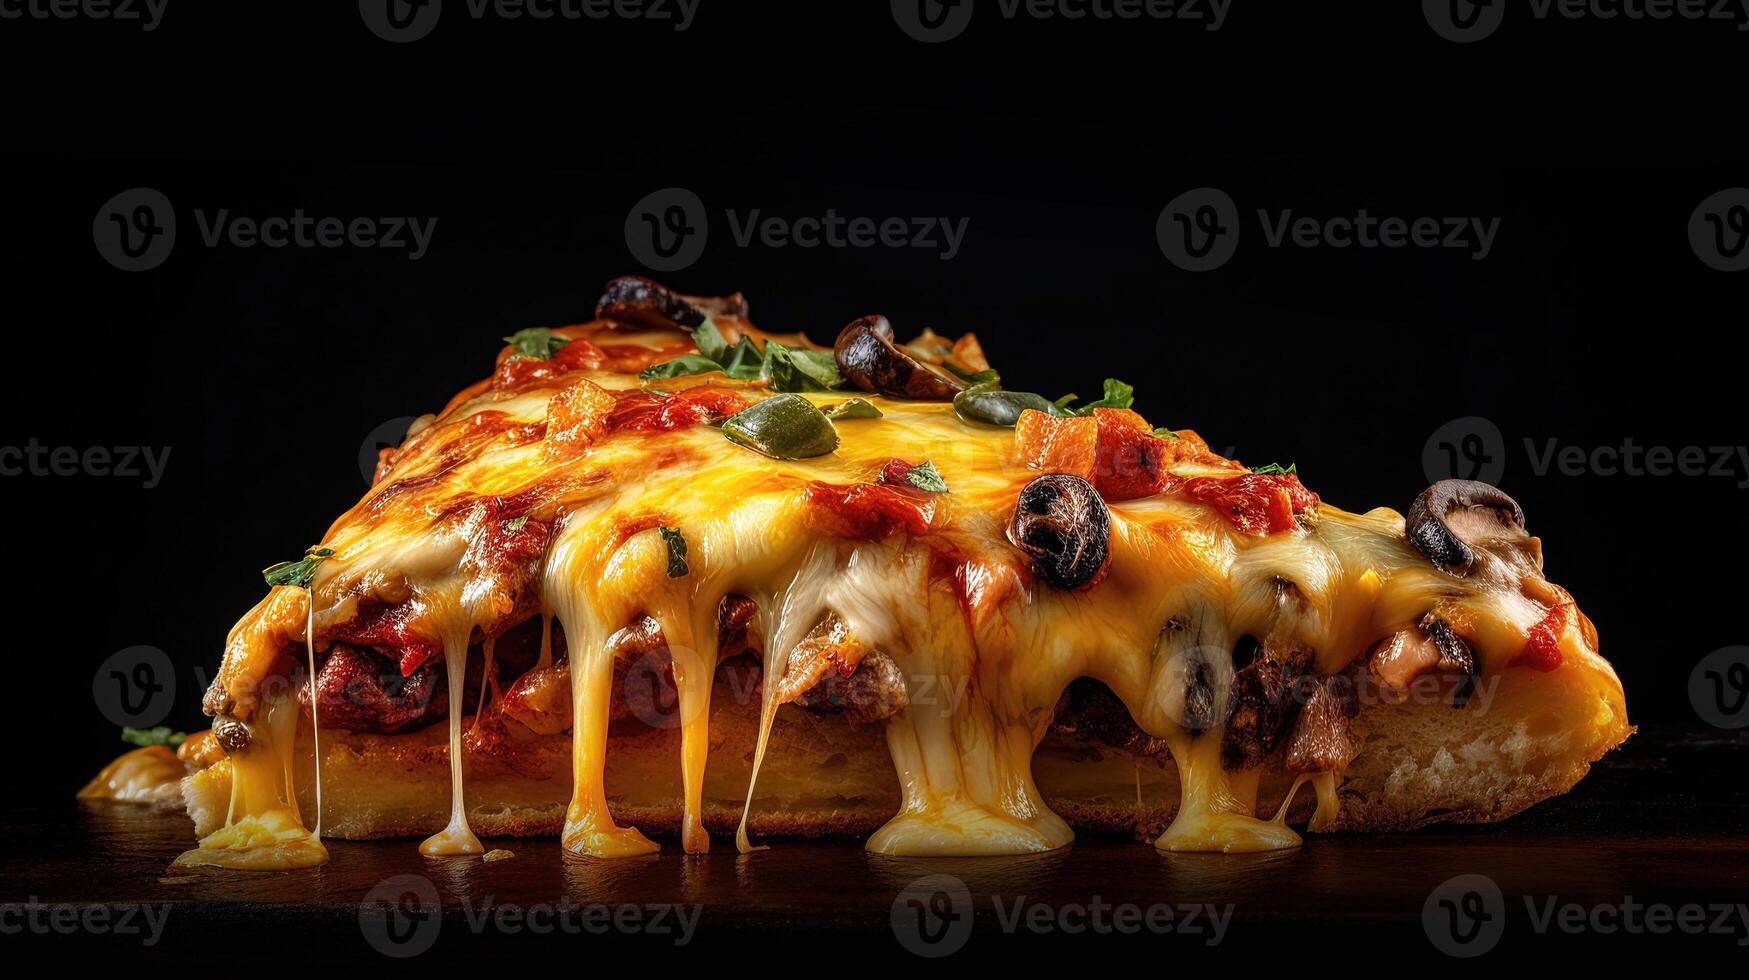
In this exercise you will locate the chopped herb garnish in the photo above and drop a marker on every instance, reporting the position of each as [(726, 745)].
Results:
[(676, 551), (787, 368), (537, 343), (799, 369), (298, 573), (985, 377), (1278, 469), (1117, 395), (855, 408), (515, 524), (924, 476), (1164, 433), (162, 735), (682, 365)]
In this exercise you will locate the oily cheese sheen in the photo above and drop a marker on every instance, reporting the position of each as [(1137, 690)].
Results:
[(589, 486)]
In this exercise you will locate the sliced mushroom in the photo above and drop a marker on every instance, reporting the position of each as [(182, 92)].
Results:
[(868, 357), (1063, 524), (635, 299), (1452, 517)]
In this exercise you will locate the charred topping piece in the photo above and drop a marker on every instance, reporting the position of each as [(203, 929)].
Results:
[(635, 299), (1263, 709), (1063, 524), (873, 691), (869, 359), (1455, 656), (1452, 517), (1321, 739)]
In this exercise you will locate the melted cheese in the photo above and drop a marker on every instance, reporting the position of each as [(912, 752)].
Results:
[(145, 775), (985, 649)]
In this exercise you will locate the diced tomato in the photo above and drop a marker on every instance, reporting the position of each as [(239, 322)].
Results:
[(867, 511), (1056, 445), (580, 415), (1257, 504), (643, 411), (520, 372), (1542, 645), (1129, 461), (895, 473), (1114, 448)]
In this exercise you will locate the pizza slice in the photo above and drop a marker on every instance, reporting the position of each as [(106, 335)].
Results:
[(666, 572)]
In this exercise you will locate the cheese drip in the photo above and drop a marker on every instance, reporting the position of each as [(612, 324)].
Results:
[(457, 838), (263, 830), (589, 826)]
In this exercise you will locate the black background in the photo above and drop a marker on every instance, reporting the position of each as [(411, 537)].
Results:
[(1592, 321)]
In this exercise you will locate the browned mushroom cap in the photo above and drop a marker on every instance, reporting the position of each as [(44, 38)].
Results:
[(868, 357), (1063, 524), (1452, 516), (646, 302)]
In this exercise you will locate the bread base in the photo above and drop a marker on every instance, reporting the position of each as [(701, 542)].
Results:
[(1525, 737)]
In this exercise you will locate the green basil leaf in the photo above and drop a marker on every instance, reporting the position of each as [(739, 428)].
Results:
[(743, 360), (710, 341), (799, 369), (676, 551), (537, 343), (682, 365), (855, 408), (1274, 469), (984, 377), (161, 735), (1165, 433), (1116, 395), (298, 573), (924, 476)]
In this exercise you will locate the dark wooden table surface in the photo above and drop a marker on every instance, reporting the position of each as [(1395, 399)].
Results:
[(1662, 823)]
